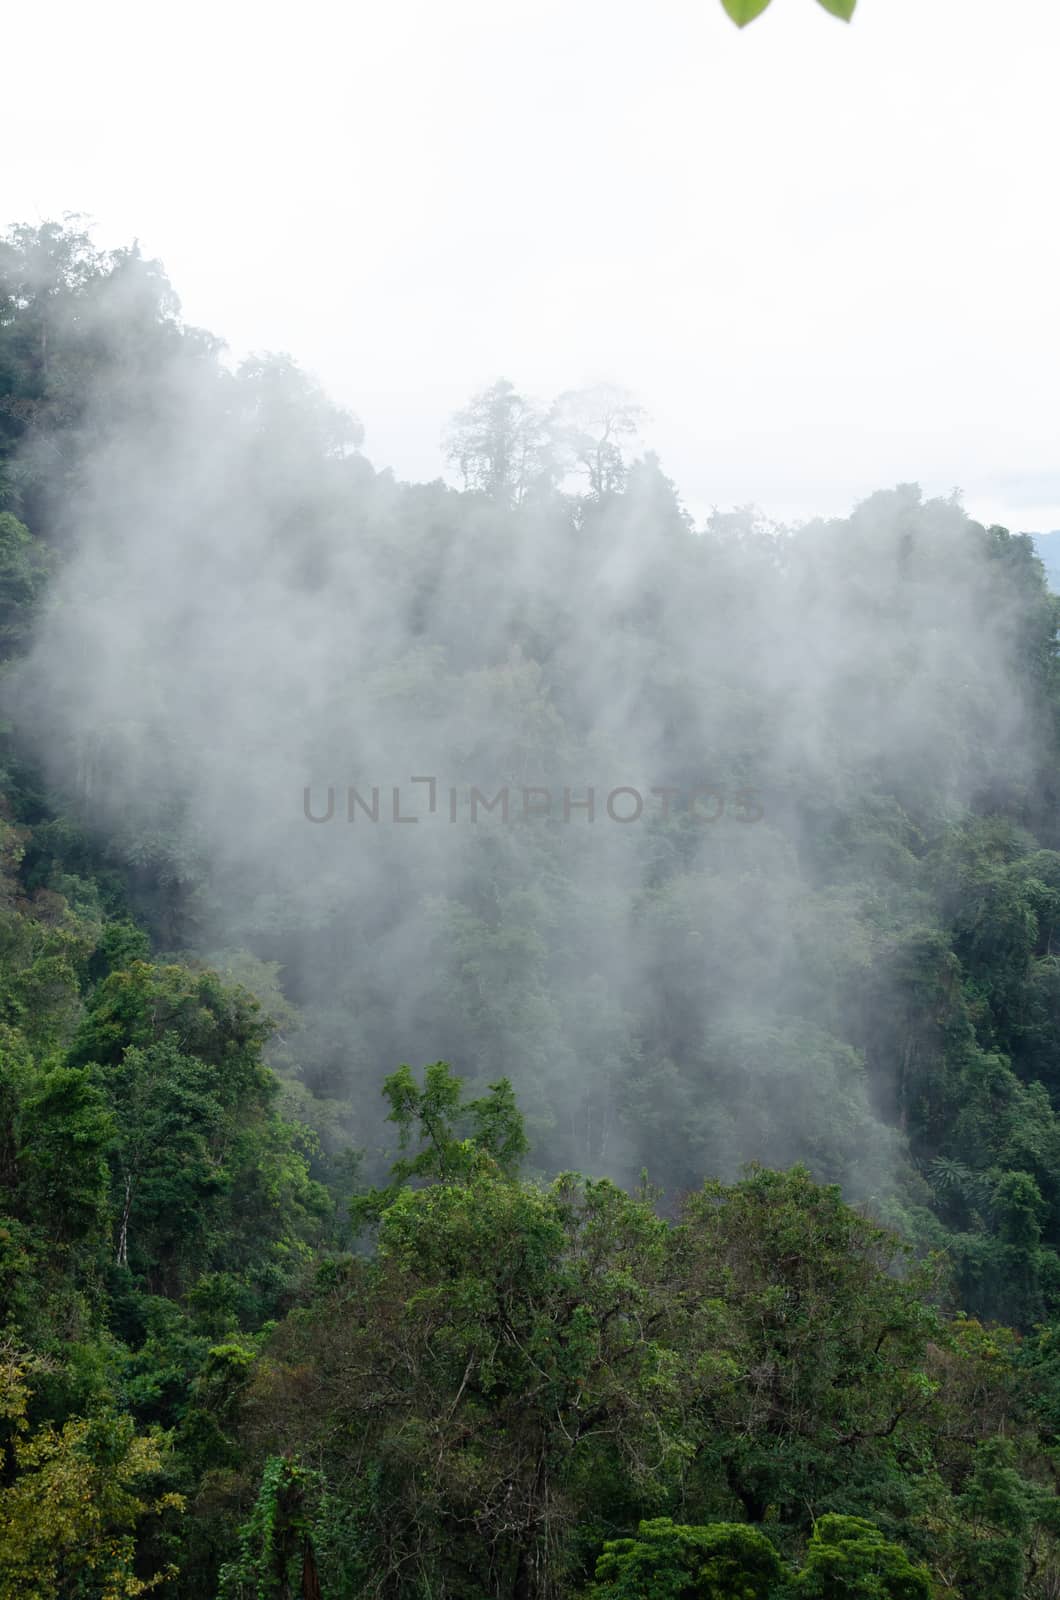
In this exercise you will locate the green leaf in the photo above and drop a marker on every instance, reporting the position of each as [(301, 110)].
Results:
[(744, 11), (839, 8)]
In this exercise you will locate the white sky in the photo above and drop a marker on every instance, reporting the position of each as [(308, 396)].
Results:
[(825, 258)]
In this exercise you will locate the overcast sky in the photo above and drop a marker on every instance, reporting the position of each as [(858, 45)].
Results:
[(825, 258)]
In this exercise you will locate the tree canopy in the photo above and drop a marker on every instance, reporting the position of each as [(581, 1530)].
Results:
[(715, 1251)]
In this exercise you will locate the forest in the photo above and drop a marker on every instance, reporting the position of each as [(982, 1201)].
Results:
[(529, 1023)]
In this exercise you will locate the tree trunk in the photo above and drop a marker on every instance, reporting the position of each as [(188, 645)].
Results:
[(521, 1586), (310, 1579), (123, 1230)]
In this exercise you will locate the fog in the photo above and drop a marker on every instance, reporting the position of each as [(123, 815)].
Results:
[(822, 256), (249, 616), (529, 800)]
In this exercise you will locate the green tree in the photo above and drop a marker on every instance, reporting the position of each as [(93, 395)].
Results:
[(828, 1312), (848, 1557), (25, 567), (430, 1116), (205, 1174), (71, 1499), (722, 1561), (497, 1362)]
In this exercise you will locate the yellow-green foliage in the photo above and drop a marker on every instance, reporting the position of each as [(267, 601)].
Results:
[(67, 1520)]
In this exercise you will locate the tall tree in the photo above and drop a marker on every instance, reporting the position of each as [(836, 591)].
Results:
[(592, 427), (502, 445)]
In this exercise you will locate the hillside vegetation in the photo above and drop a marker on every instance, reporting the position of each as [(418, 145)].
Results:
[(708, 1245)]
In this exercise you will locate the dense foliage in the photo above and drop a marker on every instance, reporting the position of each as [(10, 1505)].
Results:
[(268, 1332)]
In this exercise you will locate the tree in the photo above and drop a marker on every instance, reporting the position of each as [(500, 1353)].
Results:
[(826, 1316), (502, 445), (65, 1130), (429, 1115), (490, 1371), (218, 1024), (276, 1546), (71, 1499), (591, 426), (41, 270), (848, 1556), (24, 570), (85, 336), (204, 1173), (722, 1561)]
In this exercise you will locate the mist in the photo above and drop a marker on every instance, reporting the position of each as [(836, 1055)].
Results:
[(529, 801), (252, 625)]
